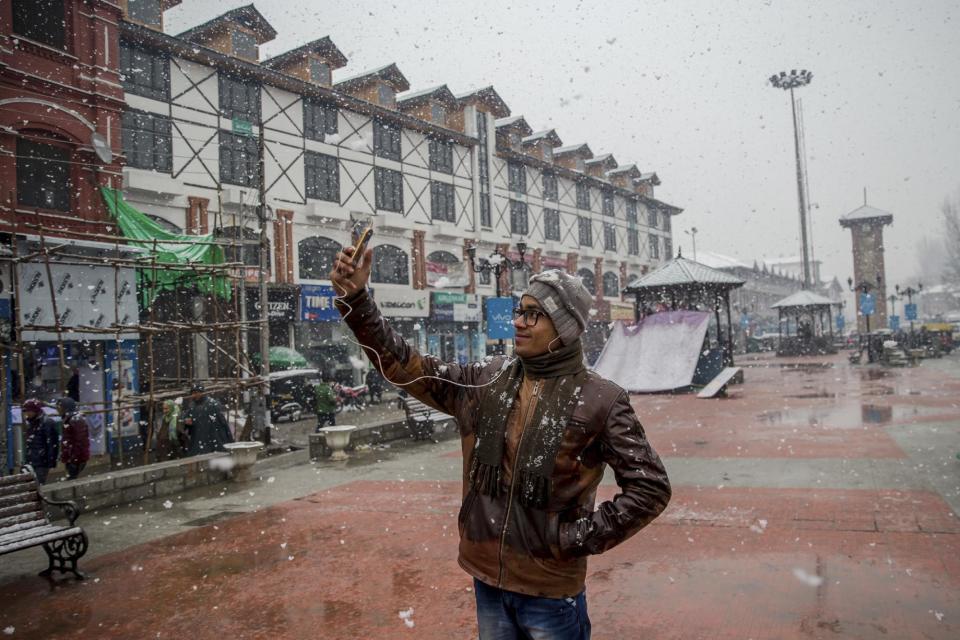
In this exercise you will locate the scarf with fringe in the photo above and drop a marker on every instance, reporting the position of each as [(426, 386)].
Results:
[(561, 375)]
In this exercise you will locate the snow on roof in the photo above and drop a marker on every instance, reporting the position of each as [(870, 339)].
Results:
[(719, 261), (388, 72), (550, 135), (866, 213), (802, 298), (573, 148), (624, 168), (440, 93), (679, 272)]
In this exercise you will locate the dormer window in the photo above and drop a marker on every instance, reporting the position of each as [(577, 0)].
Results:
[(319, 72), (548, 153), (145, 12), (244, 45), (438, 113), (514, 138), (386, 96)]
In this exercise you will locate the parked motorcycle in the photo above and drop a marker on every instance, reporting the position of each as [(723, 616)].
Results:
[(352, 397)]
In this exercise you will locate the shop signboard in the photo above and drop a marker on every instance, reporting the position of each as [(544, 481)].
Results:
[(403, 303), (91, 295), (500, 318), (316, 303), (622, 311), (444, 275), (281, 303), (455, 306)]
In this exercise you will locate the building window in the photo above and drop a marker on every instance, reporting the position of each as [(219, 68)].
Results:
[(441, 156), (244, 45), (41, 21), (390, 265), (589, 280), (482, 146), (586, 231), (518, 217), (667, 248), (146, 141), (246, 249), (145, 12), (652, 218), (389, 189), (609, 237), (611, 285), (386, 96), (43, 175), (666, 222), (318, 120), (322, 176), (551, 224), (583, 196), (144, 73), (484, 276), (633, 242), (442, 205), (386, 140), (239, 100), (239, 160), (516, 177), (550, 191), (319, 71), (317, 257), (632, 211), (654, 248), (438, 113), (485, 218), (607, 205)]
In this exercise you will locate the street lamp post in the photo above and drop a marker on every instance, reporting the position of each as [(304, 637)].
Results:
[(497, 263), (789, 82), (910, 292), (692, 232)]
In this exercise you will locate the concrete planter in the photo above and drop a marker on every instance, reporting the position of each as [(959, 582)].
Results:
[(243, 455), (338, 438)]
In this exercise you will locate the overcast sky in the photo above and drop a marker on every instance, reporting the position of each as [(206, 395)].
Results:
[(680, 88)]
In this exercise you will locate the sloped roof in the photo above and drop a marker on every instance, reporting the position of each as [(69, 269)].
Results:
[(489, 97), (548, 135), (681, 272), (323, 47), (604, 159), (583, 149), (246, 15), (803, 298), (865, 213), (514, 121), (651, 177), (720, 261), (624, 168), (389, 73), (439, 93)]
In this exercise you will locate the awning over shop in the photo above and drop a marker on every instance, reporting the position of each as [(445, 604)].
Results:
[(282, 358), (169, 248)]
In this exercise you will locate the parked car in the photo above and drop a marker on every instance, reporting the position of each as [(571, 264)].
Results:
[(288, 410)]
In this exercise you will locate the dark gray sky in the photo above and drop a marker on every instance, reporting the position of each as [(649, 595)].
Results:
[(680, 88)]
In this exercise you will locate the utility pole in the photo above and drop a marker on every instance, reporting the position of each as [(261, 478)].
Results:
[(262, 282)]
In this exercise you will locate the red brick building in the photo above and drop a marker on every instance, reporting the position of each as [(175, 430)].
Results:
[(59, 84)]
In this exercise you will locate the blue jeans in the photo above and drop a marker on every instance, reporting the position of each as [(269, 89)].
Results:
[(505, 615)]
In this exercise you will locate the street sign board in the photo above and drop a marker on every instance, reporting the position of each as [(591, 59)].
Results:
[(910, 310), (242, 127), (500, 318), (841, 322), (867, 304), (894, 323)]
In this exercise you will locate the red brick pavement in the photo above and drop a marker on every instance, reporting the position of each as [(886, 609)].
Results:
[(721, 563)]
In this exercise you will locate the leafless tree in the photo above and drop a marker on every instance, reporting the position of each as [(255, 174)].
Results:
[(951, 226)]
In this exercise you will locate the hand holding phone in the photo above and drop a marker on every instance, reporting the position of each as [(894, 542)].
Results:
[(360, 242)]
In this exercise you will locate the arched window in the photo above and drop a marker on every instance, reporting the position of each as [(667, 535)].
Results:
[(611, 285), (165, 224), (247, 248), (589, 281), (442, 257), (390, 265), (317, 256)]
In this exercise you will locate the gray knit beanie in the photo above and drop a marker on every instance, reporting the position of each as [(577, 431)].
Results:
[(565, 299)]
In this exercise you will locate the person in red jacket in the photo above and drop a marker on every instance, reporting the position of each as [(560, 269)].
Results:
[(75, 449)]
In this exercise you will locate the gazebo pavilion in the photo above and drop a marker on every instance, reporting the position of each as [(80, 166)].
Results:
[(807, 310)]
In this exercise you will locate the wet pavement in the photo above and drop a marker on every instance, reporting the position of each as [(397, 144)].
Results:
[(819, 500)]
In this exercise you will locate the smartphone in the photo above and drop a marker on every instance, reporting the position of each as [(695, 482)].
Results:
[(362, 232)]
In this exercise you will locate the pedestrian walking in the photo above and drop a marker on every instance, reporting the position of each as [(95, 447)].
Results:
[(537, 431), (41, 442), (375, 385), (205, 423), (75, 439), (170, 433), (325, 402)]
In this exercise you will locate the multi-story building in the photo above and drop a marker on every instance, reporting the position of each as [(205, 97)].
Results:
[(214, 139)]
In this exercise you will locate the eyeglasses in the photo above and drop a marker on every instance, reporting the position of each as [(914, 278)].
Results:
[(530, 316)]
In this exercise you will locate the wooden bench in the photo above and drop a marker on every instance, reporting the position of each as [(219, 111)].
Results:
[(24, 524), (421, 418)]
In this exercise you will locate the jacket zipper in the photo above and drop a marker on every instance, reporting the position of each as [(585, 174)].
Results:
[(513, 477)]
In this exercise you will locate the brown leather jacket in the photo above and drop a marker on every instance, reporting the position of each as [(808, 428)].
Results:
[(531, 551)]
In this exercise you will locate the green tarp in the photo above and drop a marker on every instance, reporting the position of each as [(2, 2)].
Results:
[(183, 250), (282, 358)]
